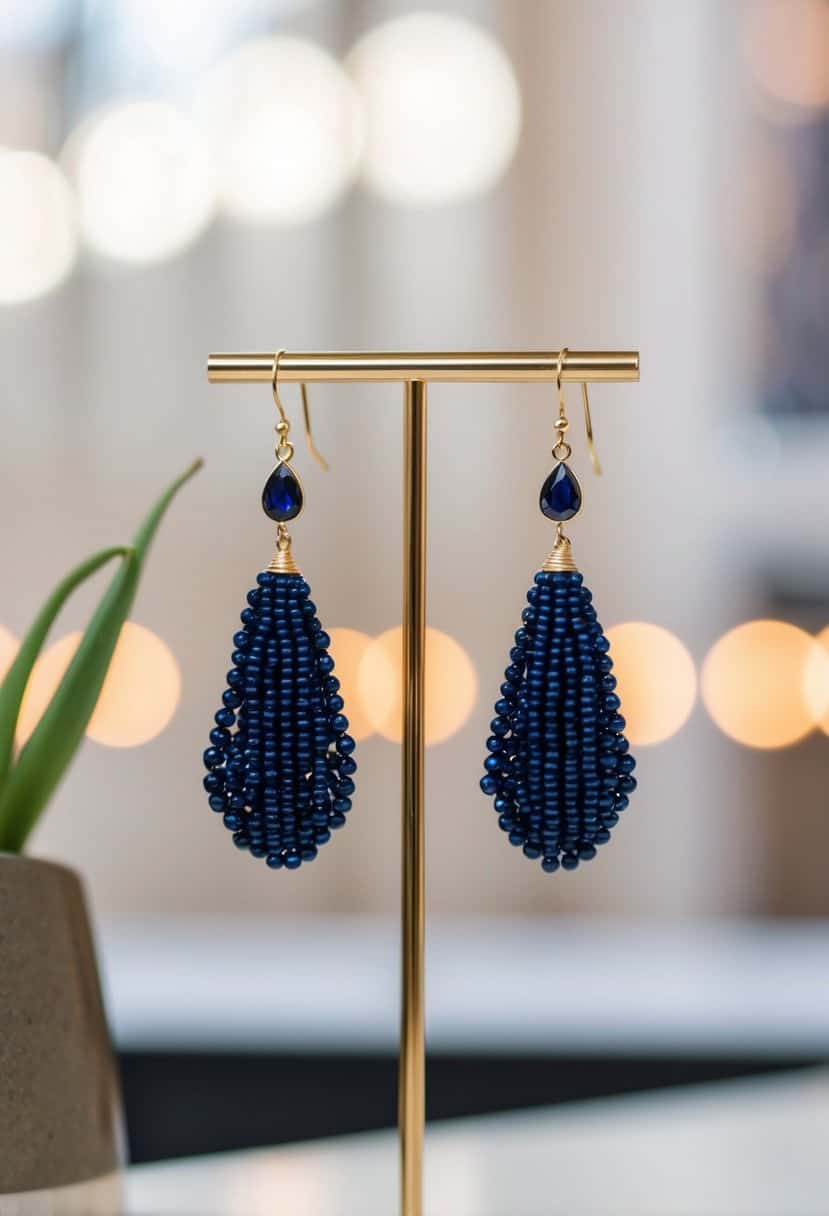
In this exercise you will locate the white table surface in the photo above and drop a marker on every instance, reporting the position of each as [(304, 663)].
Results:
[(543, 986), (749, 1148)]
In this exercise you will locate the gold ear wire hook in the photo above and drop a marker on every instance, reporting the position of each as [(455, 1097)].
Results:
[(283, 417), (283, 426), (588, 425), (562, 355), (309, 435)]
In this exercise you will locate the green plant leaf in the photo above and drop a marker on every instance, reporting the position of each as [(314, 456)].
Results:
[(17, 676), (47, 754)]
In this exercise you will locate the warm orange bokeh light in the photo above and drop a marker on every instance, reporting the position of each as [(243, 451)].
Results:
[(657, 680), (8, 649), (347, 649), (451, 685), (754, 683), (46, 675), (817, 681), (787, 48), (139, 696)]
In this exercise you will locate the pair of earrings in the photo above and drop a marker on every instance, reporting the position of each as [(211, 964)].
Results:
[(280, 761)]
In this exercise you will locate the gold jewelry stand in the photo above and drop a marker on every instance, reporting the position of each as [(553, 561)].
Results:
[(415, 370)]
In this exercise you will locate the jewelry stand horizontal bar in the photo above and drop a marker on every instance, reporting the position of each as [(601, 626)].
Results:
[(476, 366), (414, 370)]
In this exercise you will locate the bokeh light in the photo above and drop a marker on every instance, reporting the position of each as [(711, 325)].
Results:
[(144, 181), (38, 226), (754, 683), (348, 647), (817, 681), (8, 649), (46, 675), (141, 692), (139, 697), (443, 108), (451, 685), (657, 680), (286, 130), (787, 48)]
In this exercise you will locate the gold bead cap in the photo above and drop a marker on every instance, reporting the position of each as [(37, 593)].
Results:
[(560, 556), (282, 561)]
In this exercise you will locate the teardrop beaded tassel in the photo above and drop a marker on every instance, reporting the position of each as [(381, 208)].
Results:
[(558, 765), (280, 763)]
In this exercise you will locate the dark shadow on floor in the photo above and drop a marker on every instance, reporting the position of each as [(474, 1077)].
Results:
[(181, 1105)]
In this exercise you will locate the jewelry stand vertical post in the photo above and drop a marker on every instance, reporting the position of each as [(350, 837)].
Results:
[(411, 1111), (415, 370)]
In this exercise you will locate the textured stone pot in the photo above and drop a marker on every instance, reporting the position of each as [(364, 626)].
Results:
[(60, 1130)]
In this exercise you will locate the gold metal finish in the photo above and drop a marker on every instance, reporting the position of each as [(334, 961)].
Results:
[(309, 434), (282, 561), (277, 400), (561, 448), (561, 555), (561, 424), (588, 426), (283, 426), (411, 1092), (416, 369), (284, 449), (479, 366)]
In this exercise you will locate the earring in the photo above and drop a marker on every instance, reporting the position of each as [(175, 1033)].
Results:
[(280, 763), (559, 766)]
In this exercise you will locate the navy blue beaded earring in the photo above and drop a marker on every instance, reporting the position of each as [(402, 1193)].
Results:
[(558, 765), (280, 763)]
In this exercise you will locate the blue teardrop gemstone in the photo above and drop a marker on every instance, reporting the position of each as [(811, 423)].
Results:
[(560, 497), (282, 495)]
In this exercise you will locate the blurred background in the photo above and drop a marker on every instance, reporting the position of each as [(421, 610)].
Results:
[(178, 178)]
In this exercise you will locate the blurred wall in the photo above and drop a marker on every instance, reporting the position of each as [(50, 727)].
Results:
[(603, 234)]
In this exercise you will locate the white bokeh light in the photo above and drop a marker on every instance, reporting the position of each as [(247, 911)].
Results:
[(286, 130), (38, 226), (144, 181), (442, 105)]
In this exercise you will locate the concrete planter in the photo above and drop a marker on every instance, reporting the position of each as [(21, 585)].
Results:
[(60, 1130)]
